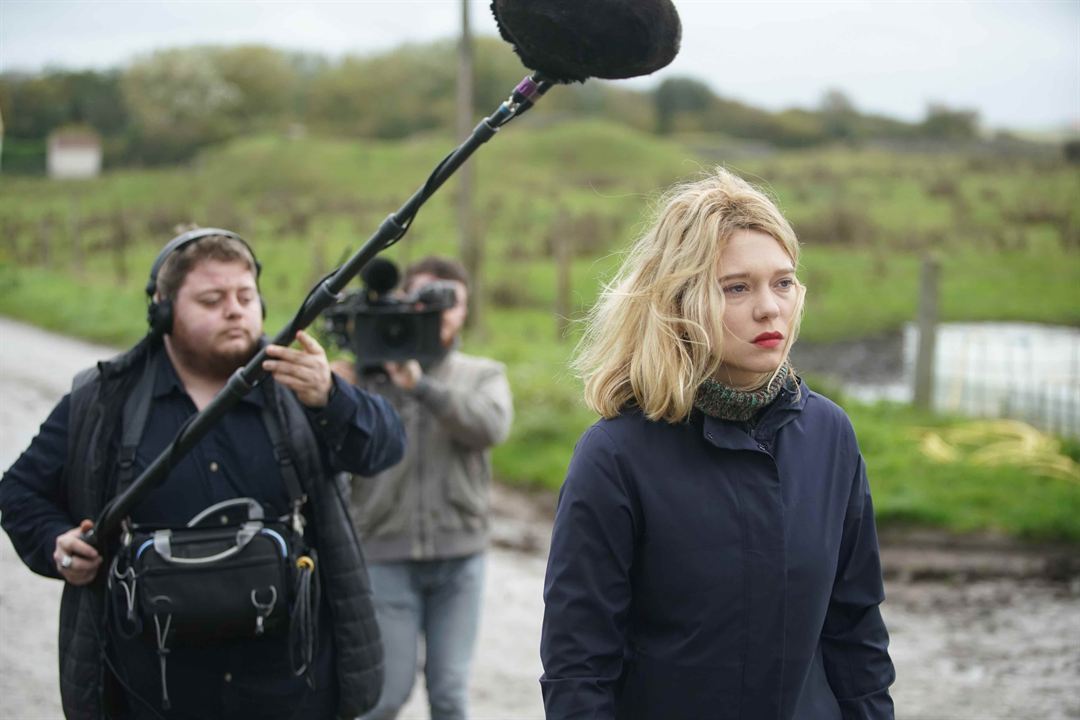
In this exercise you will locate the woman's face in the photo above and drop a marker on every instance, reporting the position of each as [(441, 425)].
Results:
[(761, 295)]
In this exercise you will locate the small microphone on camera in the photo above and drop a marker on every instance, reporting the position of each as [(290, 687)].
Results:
[(380, 276)]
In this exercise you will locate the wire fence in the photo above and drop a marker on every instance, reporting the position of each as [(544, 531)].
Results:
[(1021, 371)]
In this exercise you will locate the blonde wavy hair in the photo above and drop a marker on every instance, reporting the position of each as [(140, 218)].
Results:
[(656, 333)]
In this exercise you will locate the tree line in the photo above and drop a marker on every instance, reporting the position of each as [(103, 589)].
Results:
[(164, 107)]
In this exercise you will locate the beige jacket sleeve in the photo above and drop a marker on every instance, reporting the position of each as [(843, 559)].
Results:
[(476, 408)]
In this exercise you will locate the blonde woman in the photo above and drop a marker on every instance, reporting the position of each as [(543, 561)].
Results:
[(714, 552)]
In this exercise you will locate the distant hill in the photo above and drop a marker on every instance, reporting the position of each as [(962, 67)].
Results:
[(165, 107)]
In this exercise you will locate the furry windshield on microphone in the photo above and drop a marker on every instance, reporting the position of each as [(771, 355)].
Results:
[(573, 40), (380, 276)]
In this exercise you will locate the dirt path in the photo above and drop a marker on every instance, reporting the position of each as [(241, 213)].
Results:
[(1000, 648)]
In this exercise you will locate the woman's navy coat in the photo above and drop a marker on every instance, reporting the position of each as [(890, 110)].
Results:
[(699, 570)]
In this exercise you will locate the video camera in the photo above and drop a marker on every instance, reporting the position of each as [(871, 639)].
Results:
[(379, 326)]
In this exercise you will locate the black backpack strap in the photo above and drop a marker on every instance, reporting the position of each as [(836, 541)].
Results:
[(304, 611), (119, 610), (136, 412), (282, 453)]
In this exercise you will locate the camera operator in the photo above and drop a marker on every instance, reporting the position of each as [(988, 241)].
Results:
[(206, 319), (424, 522)]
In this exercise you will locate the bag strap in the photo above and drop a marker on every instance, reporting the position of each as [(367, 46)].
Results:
[(282, 452), (136, 412)]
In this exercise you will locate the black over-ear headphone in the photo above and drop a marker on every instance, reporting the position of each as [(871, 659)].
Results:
[(160, 314)]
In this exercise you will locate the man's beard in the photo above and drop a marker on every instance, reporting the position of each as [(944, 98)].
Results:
[(212, 363)]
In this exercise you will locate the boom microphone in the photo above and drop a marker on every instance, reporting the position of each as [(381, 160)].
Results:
[(573, 40), (562, 41)]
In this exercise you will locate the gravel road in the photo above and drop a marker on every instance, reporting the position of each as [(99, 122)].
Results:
[(1002, 647)]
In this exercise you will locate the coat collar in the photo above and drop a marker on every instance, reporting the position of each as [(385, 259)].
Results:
[(733, 435)]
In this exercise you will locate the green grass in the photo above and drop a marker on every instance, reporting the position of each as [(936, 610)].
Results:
[(911, 489), (95, 311), (854, 293), (1007, 234)]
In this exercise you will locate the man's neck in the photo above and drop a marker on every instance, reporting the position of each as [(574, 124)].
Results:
[(200, 386)]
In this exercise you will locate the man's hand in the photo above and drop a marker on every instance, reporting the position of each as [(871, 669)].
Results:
[(305, 371), (345, 369), (405, 375), (76, 560)]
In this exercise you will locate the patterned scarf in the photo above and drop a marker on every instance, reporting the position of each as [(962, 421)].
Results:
[(725, 403)]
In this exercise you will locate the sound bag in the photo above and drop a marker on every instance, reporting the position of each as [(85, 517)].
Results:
[(211, 583)]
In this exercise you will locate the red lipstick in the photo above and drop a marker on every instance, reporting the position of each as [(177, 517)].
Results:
[(769, 339)]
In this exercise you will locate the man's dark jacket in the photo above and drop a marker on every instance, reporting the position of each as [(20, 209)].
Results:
[(97, 401)]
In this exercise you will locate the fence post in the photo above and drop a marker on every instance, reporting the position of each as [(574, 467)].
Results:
[(44, 243), (75, 240), (929, 277), (119, 245), (317, 241), (564, 254)]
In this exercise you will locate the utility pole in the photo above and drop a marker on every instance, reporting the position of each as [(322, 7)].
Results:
[(470, 244)]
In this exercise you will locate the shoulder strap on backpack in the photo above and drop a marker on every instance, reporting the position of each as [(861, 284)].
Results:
[(133, 422), (283, 454)]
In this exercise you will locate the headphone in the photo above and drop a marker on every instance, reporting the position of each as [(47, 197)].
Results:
[(160, 314)]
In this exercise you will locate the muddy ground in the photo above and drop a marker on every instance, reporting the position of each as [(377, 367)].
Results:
[(981, 629), (875, 359)]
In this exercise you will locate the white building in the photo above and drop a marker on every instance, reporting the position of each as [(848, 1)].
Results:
[(73, 153)]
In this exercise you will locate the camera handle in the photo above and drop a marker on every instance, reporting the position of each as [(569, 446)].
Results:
[(323, 295)]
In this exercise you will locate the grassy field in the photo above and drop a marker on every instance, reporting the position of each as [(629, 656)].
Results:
[(73, 257)]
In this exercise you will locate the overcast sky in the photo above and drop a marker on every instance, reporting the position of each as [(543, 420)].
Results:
[(1016, 63)]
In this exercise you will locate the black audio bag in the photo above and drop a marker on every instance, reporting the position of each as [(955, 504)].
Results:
[(211, 581), (230, 574)]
